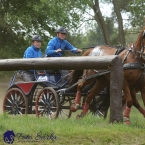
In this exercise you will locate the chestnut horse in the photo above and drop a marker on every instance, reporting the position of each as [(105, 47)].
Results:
[(133, 54)]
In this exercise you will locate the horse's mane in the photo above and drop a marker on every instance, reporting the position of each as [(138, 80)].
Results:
[(75, 74)]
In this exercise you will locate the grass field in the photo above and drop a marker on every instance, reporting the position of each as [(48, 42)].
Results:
[(86, 131)]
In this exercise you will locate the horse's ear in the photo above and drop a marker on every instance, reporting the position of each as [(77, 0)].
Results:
[(143, 34)]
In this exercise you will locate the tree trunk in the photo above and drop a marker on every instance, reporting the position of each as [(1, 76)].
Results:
[(120, 22), (99, 19)]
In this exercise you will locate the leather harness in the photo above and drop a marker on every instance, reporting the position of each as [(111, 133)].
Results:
[(126, 66)]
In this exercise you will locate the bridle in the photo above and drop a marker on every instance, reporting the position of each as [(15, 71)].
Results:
[(135, 52), (142, 46), (139, 64)]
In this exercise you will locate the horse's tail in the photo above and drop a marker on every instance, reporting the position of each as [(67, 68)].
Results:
[(76, 74), (102, 102)]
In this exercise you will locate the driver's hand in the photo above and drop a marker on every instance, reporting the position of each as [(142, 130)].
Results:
[(58, 50), (80, 50)]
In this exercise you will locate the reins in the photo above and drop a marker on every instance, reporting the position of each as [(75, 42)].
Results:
[(126, 66), (87, 78)]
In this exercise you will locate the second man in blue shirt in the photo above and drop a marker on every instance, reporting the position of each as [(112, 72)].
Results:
[(58, 44)]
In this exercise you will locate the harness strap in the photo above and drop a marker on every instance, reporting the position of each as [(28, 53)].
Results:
[(90, 77), (133, 66), (126, 66), (119, 50), (136, 56), (127, 54)]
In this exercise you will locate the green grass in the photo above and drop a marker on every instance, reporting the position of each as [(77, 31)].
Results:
[(86, 131)]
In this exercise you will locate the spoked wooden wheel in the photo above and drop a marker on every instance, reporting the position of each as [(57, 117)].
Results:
[(64, 109), (47, 104), (15, 102)]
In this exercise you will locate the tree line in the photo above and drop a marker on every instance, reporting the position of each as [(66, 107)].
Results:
[(20, 20)]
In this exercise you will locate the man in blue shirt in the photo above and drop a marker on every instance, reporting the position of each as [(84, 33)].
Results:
[(32, 51), (58, 44)]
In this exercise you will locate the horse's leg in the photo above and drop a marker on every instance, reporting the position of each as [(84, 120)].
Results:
[(101, 83), (129, 103), (143, 98), (74, 107), (136, 103)]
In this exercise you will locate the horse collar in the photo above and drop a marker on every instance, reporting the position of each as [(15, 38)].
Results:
[(128, 51), (135, 54)]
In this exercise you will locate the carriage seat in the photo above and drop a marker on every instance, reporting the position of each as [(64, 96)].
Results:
[(18, 77)]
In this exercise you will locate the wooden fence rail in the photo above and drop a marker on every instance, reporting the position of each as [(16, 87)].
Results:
[(83, 62)]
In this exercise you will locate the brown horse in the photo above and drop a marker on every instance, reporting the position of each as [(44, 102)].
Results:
[(132, 54)]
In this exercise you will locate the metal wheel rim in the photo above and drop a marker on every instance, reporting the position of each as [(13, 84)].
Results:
[(15, 102), (62, 113), (47, 104)]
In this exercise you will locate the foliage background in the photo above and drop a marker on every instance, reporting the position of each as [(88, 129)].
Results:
[(84, 19)]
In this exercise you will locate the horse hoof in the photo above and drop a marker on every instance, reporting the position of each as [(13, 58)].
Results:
[(74, 107), (126, 120), (80, 116)]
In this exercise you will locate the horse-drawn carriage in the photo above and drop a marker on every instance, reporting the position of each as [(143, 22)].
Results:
[(49, 95)]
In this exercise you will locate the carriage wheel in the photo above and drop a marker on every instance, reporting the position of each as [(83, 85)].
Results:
[(47, 104), (64, 109), (15, 102)]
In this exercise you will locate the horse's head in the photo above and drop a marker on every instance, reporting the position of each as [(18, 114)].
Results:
[(143, 44), (140, 45)]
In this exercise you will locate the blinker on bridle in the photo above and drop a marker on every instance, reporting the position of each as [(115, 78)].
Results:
[(137, 51)]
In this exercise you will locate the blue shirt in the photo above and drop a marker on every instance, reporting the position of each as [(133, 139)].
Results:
[(32, 52), (57, 43)]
